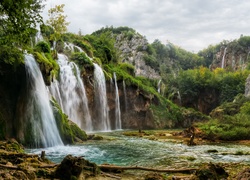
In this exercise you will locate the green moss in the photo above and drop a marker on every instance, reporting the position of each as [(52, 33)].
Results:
[(85, 46), (78, 132), (68, 130), (42, 47), (48, 66), (81, 59)]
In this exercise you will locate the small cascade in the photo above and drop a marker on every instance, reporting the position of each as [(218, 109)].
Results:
[(125, 96), (159, 86), (38, 37), (39, 115), (223, 58), (73, 94), (71, 47), (179, 96), (54, 90), (118, 122), (102, 122)]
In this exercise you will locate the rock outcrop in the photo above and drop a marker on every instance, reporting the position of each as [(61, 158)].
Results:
[(133, 51)]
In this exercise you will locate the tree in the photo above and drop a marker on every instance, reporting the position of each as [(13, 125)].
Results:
[(18, 20), (57, 20)]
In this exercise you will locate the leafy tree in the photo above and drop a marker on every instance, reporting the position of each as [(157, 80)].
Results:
[(57, 20), (18, 20)]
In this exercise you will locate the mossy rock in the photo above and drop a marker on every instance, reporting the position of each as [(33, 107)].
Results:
[(68, 130), (73, 167), (211, 171), (77, 132)]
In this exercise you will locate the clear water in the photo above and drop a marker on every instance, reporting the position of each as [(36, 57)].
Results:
[(142, 152)]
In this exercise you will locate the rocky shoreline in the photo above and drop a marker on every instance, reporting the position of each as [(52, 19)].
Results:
[(16, 164)]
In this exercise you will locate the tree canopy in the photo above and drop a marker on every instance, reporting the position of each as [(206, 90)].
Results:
[(18, 20)]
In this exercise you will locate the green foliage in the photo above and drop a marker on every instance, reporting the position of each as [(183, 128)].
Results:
[(118, 30), (85, 46), (11, 56), (228, 128), (191, 83), (130, 69), (42, 46), (104, 47), (167, 113), (18, 21), (244, 41), (81, 59), (57, 20), (151, 61), (48, 65)]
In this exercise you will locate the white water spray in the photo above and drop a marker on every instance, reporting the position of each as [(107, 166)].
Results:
[(223, 58), (159, 86), (55, 92), (73, 94), (118, 123), (39, 112), (102, 110)]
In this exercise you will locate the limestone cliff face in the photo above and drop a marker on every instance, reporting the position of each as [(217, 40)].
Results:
[(132, 51), (247, 87), (134, 104), (231, 57)]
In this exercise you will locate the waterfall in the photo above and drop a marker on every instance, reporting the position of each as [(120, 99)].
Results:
[(73, 94), (118, 123), (125, 96), (159, 86), (223, 58), (55, 92), (39, 112), (102, 122)]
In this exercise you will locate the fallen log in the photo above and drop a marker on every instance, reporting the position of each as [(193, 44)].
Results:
[(9, 166), (117, 168)]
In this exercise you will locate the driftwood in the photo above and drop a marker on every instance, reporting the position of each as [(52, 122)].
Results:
[(111, 168), (8, 166), (111, 175)]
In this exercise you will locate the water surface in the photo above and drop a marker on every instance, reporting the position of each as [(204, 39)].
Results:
[(122, 150)]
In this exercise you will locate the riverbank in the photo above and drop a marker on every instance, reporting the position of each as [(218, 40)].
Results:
[(15, 164)]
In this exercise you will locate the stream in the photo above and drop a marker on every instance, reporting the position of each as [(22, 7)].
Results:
[(134, 151)]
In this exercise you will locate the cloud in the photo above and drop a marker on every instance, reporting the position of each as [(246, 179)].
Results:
[(190, 24)]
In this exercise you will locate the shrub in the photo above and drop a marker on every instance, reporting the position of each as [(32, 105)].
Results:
[(42, 46)]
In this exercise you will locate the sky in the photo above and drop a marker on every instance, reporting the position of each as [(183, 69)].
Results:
[(190, 24)]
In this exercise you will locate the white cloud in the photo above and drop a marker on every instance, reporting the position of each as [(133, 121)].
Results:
[(190, 24)]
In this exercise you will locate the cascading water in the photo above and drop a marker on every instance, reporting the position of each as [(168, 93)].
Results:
[(73, 95), (125, 96), (159, 86), (118, 123), (39, 114), (223, 58), (102, 122), (54, 90)]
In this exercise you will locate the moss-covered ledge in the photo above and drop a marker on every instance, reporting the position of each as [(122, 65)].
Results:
[(69, 131)]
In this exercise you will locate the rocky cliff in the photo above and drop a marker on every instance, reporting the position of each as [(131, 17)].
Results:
[(133, 50), (231, 56)]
